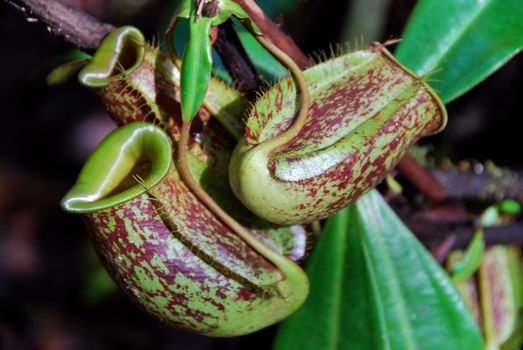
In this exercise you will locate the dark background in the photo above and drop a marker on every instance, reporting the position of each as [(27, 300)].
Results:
[(53, 293)]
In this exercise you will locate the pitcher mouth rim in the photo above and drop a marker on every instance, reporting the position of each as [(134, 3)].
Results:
[(111, 163)]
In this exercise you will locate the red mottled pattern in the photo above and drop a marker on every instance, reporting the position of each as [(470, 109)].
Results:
[(362, 120), (202, 229), (338, 110), (132, 237), (165, 249), (150, 93), (340, 183), (146, 94)]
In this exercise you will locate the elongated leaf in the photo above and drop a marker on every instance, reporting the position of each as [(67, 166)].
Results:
[(196, 66), (460, 43), (374, 286), (271, 69), (471, 260)]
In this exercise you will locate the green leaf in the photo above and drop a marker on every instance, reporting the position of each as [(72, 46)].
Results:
[(64, 72), (459, 43), (374, 286), (469, 264), (271, 69), (196, 66), (64, 66), (509, 206)]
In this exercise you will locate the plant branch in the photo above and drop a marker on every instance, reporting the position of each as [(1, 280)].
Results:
[(235, 59), (72, 25), (488, 186), (433, 233), (422, 178)]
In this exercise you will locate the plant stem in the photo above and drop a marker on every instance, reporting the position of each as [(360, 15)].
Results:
[(488, 185), (235, 59), (74, 26), (422, 178), (273, 32), (443, 249), (302, 87), (187, 177), (431, 233)]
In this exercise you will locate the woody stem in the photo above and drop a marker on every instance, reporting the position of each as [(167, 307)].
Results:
[(72, 25)]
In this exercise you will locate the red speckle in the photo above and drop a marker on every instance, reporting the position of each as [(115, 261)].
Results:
[(245, 295), (220, 294)]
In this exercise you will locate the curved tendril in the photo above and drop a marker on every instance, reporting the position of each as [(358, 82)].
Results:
[(185, 172), (277, 259), (301, 84)]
